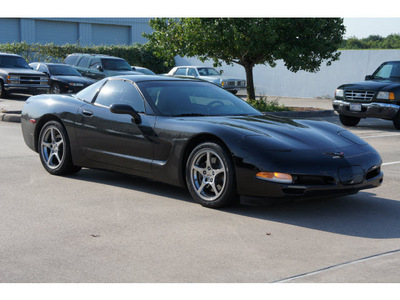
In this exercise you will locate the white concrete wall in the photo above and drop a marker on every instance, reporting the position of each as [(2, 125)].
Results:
[(353, 66)]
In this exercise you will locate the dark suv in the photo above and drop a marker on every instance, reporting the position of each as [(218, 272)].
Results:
[(99, 66), (16, 76), (376, 97)]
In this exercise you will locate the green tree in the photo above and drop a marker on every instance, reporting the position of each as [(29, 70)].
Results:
[(302, 43)]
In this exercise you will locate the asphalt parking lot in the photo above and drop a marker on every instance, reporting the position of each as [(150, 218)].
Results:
[(98, 226)]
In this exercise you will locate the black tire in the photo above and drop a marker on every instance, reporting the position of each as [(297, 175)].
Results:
[(55, 89), (349, 120), (3, 93), (54, 149), (210, 176), (396, 121)]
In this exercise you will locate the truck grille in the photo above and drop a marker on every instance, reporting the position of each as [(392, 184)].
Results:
[(359, 95), (235, 83), (27, 79)]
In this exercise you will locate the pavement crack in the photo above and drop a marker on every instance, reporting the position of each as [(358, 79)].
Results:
[(337, 266)]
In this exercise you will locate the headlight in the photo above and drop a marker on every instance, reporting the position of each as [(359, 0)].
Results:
[(339, 93), (275, 177), (75, 84), (13, 79), (385, 96)]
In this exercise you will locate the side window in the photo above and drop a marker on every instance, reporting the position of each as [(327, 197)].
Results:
[(42, 68), (84, 62), (34, 66), (120, 92), (180, 71), (192, 72), (94, 63), (88, 94)]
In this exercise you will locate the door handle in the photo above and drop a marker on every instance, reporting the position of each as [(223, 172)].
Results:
[(87, 113)]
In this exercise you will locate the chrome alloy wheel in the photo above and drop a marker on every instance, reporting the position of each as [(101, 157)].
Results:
[(208, 174), (52, 147)]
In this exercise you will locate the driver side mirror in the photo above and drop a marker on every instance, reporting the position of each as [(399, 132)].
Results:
[(369, 77), (124, 109), (99, 68)]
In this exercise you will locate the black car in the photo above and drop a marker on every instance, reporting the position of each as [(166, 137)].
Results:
[(194, 134), (376, 97), (99, 66), (63, 78)]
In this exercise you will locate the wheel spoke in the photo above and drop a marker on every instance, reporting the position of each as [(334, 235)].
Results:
[(47, 145)]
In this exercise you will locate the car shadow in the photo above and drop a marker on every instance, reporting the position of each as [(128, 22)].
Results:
[(364, 215)]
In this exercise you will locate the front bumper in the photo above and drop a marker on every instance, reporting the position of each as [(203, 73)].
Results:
[(27, 88), (368, 110)]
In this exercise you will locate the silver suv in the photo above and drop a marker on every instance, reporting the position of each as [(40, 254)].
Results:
[(16, 76)]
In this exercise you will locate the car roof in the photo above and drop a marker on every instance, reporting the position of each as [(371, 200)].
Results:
[(194, 67), (50, 64), (95, 55), (9, 54)]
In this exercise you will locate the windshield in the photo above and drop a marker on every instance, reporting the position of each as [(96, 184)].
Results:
[(63, 70), (193, 98), (208, 72), (115, 64), (13, 62), (389, 70)]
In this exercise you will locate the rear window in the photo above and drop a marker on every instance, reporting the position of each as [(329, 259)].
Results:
[(71, 59)]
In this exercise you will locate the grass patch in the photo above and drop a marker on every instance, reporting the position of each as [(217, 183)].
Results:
[(264, 105)]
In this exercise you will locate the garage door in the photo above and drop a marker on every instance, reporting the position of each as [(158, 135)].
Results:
[(9, 30), (56, 32), (110, 34)]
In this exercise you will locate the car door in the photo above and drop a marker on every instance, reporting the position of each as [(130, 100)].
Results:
[(94, 71), (83, 65), (115, 139)]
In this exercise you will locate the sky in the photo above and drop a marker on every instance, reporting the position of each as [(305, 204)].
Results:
[(363, 27)]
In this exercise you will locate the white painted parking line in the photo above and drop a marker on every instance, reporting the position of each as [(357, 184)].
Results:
[(381, 135), (391, 163)]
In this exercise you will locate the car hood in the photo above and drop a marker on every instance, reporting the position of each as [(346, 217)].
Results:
[(375, 85), (77, 79), (220, 78), (21, 71), (284, 134)]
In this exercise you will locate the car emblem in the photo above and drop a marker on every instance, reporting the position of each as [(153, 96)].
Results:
[(335, 154)]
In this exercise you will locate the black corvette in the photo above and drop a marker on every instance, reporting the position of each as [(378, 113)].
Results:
[(196, 135), (62, 78)]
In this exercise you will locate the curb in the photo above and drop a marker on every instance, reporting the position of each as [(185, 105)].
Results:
[(11, 116)]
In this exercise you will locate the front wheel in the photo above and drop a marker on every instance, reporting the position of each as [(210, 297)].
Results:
[(349, 120), (3, 93), (54, 149), (210, 176)]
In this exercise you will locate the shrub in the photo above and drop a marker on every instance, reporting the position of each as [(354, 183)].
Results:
[(137, 54)]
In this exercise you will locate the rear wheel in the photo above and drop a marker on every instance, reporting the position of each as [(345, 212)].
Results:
[(54, 150), (349, 120), (210, 176)]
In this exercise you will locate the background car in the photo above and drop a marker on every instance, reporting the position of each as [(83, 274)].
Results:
[(99, 66), (143, 70), (376, 97), (16, 76), (63, 78), (193, 134), (230, 84)]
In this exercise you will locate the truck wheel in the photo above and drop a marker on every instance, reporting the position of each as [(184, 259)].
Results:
[(3, 93), (396, 121), (349, 120)]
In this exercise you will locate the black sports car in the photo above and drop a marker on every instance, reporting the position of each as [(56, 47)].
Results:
[(63, 78), (194, 134)]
